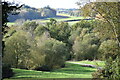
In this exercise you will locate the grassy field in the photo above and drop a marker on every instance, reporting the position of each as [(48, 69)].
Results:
[(73, 22), (97, 63), (63, 19), (69, 71), (59, 17), (10, 23), (62, 14)]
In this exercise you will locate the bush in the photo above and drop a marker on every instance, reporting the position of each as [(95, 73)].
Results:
[(48, 54), (59, 31), (55, 56), (16, 50), (111, 71), (74, 34), (86, 47), (40, 30), (30, 25), (41, 53), (83, 24), (109, 48)]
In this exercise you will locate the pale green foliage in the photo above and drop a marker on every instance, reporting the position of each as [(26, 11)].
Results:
[(74, 34), (32, 47), (112, 69), (55, 52), (109, 48), (11, 31), (80, 29), (85, 42), (85, 47), (30, 25), (82, 24), (16, 50), (48, 52), (36, 58), (26, 51), (40, 30), (107, 13)]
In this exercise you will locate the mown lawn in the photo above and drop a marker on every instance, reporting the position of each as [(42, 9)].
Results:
[(69, 71), (61, 19), (97, 63)]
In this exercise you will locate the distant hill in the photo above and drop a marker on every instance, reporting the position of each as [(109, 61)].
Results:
[(71, 11), (31, 13)]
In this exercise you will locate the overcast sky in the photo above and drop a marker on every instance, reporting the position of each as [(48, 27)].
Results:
[(51, 3)]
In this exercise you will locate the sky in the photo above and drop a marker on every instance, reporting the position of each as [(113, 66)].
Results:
[(51, 3)]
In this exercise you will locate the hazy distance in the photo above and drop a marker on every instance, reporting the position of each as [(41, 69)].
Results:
[(51, 3)]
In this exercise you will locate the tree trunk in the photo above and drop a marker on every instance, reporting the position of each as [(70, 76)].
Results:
[(0, 41)]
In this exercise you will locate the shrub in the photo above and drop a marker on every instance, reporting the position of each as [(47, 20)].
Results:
[(16, 50), (30, 25), (109, 48), (55, 52), (86, 47), (83, 24), (111, 71), (59, 31), (74, 34), (40, 30), (48, 54)]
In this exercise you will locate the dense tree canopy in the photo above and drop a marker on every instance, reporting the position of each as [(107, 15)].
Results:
[(47, 46), (7, 8), (16, 54), (108, 14)]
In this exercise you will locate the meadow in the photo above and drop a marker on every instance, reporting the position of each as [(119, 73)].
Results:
[(63, 17), (69, 71), (59, 17)]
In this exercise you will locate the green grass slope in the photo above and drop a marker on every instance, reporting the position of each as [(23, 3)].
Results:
[(96, 63), (69, 71)]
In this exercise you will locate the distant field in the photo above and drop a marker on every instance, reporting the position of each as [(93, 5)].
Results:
[(68, 17), (59, 17), (10, 23), (69, 71), (64, 19), (73, 22), (61, 14)]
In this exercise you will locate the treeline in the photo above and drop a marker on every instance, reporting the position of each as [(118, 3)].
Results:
[(30, 13), (109, 33), (46, 47)]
